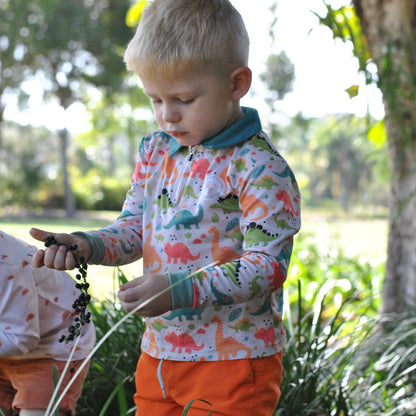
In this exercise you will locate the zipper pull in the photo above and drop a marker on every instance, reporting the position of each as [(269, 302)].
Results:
[(191, 153)]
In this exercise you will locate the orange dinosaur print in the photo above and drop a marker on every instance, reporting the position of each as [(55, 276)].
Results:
[(182, 341), (152, 343), (169, 170), (287, 203), (221, 254), (228, 346), (150, 255), (138, 175), (110, 255), (277, 278), (200, 167), (250, 204), (267, 335), (179, 251)]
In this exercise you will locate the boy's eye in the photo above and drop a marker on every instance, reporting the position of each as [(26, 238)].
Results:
[(187, 100)]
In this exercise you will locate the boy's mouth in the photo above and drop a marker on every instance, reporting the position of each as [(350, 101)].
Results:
[(178, 134)]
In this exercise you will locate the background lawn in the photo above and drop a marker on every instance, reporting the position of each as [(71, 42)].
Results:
[(355, 235)]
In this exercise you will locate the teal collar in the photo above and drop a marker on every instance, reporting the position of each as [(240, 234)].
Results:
[(241, 130)]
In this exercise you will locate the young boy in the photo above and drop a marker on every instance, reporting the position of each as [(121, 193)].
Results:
[(36, 310), (209, 187)]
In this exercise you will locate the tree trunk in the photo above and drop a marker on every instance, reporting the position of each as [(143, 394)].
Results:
[(390, 29), (69, 196)]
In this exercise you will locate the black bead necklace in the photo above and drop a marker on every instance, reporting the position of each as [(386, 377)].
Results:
[(81, 303)]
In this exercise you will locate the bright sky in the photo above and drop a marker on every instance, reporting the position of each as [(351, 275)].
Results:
[(324, 68)]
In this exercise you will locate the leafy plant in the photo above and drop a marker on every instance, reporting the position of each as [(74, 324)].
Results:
[(317, 360), (114, 361), (386, 370)]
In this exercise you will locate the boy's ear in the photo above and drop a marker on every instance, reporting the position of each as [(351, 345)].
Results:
[(241, 82)]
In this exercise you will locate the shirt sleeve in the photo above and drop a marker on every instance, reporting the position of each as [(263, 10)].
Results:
[(19, 324), (269, 199)]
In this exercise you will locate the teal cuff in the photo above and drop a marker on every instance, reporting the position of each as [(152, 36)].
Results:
[(182, 290), (96, 244)]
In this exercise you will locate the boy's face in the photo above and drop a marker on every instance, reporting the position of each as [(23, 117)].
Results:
[(192, 108)]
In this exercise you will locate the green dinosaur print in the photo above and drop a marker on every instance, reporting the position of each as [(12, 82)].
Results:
[(282, 224), (230, 270), (235, 235), (260, 143), (158, 325), (163, 201), (199, 276), (160, 237), (228, 204), (188, 191), (254, 287), (243, 324), (255, 235), (240, 164), (265, 182)]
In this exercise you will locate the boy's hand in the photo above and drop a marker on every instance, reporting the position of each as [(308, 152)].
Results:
[(140, 289), (58, 256)]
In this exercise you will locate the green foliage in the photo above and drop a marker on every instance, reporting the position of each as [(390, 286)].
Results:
[(317, 360), (345, 25), (328, 273), (331, 301), (279, 76), (112, 368), (96, 191), (385, 369), (29, 171), (333, 159), (342, 358)]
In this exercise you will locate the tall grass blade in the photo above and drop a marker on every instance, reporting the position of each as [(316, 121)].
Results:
[(55, 382), (107, 335), (58, 385), (188, 406)]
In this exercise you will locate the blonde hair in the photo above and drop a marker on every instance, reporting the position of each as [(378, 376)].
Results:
[(174, 36)]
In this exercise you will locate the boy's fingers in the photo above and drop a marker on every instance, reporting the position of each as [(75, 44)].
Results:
[(40, 235), (37, 259)]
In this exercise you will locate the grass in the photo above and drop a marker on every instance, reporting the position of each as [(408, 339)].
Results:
[(355, 234)]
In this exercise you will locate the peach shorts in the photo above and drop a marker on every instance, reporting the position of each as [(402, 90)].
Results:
[(246, 387), (28, 384)]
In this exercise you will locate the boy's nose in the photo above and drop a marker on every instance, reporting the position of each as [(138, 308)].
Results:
[(171, 115)]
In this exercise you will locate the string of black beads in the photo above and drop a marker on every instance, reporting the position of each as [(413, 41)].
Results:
[(80, 304)]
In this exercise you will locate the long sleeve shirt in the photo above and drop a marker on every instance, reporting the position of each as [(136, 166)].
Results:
[(36, 307), (232, 201)]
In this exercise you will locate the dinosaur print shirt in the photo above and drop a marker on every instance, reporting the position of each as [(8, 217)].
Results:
[(36, 307), (230, 203)]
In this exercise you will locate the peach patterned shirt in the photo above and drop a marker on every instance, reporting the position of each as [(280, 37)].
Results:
[(35, 307)]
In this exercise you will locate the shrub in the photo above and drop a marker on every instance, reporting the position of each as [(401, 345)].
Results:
[(109, 386)]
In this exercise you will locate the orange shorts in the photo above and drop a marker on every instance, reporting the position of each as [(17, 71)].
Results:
[(246, 387), (28, 384)]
